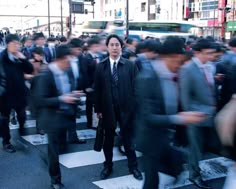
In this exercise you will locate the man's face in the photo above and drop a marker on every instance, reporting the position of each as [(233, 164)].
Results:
[(28, 43), (13, 47), (38, 57), (114, 47), (206, 55), (66, 62), (76, 51), (216, 56), (40, 41), (95, 48), (103, 46), (174, 62)]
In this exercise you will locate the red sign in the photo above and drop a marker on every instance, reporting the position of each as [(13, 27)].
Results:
[(213, 23)]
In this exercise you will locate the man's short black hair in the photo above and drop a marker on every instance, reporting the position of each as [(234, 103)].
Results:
[(38, 35), (130, 40), (232, 42), (114, 36), (218, 47), (152, 45), (202, 44), (76, 43), (62, 51), (38, 50), (172, 45), (63, 39), (11, 37), (93, 41), (51, 39)]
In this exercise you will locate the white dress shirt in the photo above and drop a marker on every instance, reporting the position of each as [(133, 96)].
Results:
[(206, 69), (112, 63), (75, 67)]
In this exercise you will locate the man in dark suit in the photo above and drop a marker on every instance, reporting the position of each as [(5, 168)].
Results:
[(50, 50), (79, 72), (91, 59), (14, 65), (129, 50), (156, 96), (39, 41), (57, 108), (114, 84)]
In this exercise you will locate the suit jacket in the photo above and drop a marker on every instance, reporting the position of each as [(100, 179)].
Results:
[(13, 76), (48, 55), (91, 68), (226, 68), (51, 117), (83, 80), (196, 94), (127, 72), (127, 53)]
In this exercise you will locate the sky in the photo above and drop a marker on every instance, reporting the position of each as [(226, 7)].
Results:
[(28, 7)]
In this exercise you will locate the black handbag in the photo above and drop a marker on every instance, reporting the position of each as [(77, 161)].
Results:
[(100, 135)]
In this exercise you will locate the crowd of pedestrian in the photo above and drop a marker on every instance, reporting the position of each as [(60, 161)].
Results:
[(162, 96)]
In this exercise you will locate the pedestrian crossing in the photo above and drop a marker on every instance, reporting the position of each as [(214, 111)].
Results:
[(211, 168)]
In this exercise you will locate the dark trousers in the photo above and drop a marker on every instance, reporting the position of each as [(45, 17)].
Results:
[(89, 110), (72, 134), (201, 140), (55, 142), (21, 117), (168, 161), (109, 144), (151, 172)]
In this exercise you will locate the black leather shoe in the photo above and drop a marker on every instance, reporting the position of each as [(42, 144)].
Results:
[(57, 186), (13, 121), (137, 174), (78, 141), (200, 183), (9, 148), (106, 172)]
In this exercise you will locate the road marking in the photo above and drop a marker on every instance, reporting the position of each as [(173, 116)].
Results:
[(37, 139), (32, 123), (90, 157), (211, 169)]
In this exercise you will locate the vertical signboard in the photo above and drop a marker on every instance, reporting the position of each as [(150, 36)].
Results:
[(221, 14)]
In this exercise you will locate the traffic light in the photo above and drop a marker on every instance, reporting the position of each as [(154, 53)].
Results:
[(85, 11)]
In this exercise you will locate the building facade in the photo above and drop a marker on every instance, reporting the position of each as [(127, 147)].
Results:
[(210, 15)]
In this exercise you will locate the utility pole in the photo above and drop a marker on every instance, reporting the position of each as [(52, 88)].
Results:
[(49, 29), (70, 17), (61, 19), (233, 17), (127, 18), (214, 23)]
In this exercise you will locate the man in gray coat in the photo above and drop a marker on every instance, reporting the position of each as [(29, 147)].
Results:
[(197, 94)]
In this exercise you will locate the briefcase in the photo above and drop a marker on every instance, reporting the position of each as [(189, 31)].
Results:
[(100, 135)]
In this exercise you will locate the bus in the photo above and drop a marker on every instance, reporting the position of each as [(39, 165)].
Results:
[(161, 29), (93, 27)]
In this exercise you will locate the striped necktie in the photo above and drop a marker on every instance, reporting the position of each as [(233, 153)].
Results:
[(114, 73)]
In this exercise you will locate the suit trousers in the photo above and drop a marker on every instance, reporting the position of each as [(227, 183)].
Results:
[(201, 139), (55, 142), (89, 110), (21, 117), (127, 141)]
